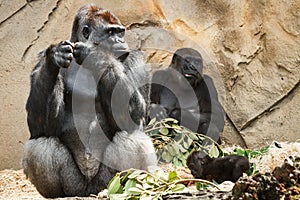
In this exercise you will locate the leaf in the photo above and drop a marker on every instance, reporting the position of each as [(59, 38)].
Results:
[(129, 184), (214, 152), (172, 176), (150, 180), (166, 156), (266, 149), (135, 191), (183, 161), (239, 152), (193, 136), (252, 154), (142, 177), (147, 186), (125, 178), (177, 162), (248, 153), (135, 174), (114, 185), (118, 196), (189, 141), (178, 187), (164, 131), (252, 169), (171, 120), (201, 186), (173, 149), (152, 121), (168, 126), (182, 149), (165, 138), (176, 126), (154, 133), (186, 145), (164, 177)]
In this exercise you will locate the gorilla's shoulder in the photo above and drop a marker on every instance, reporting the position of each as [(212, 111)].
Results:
[(136, 55), (210, 84), (161, 75), (135, 59), (208, 80)]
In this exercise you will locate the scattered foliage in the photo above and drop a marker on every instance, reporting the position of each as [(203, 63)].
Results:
[(140, 184), (250, 154), (174, 143)]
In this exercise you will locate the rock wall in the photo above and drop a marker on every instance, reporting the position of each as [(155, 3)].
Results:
[(251, 49)]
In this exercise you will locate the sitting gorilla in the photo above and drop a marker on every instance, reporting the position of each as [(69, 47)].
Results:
[(86, 109), (182, 92)]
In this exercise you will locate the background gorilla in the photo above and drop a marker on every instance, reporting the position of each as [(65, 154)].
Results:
[(184, 93), (82, 132)]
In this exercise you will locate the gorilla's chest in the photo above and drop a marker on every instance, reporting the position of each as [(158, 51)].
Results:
[(178, 98), (80, 89)]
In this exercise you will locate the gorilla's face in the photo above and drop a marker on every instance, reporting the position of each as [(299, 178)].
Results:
[(109, 36), (102, 28), (190, 67)]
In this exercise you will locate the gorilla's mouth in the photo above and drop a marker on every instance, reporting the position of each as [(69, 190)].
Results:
[(120, 47), (121, 54), (186, 75)]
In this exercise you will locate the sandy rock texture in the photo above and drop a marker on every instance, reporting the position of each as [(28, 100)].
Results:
[(250, 48)]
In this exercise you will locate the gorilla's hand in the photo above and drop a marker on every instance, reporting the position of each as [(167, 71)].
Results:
[(175, 113), (81, 51), (157, 111), (60, 55)]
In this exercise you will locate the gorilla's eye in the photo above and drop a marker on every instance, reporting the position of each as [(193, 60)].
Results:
[(86, 32), (110, 32)]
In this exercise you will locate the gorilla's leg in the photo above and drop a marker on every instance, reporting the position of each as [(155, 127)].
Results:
[(51, 168), (134, 150)]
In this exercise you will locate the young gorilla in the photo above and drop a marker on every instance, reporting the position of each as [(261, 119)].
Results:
[(86, 122), (182, 92), (229, 168)]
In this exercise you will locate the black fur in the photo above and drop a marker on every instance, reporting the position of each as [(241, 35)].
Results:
[(228, 168), (82, 130), (182, 92)]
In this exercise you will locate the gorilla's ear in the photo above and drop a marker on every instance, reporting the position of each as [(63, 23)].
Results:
[(174, 58)]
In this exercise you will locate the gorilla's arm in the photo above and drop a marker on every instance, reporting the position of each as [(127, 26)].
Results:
[(137, 71), (45, 102), (158, 78), (211, 109), (116, 86), (217, 112)]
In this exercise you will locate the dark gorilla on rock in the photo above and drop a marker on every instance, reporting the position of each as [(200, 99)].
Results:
[(184, 93), (86, 109)]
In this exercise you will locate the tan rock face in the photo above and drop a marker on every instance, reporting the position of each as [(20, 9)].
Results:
[(250, 48)]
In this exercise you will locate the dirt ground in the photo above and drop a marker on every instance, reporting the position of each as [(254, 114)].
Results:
[(14, 185)]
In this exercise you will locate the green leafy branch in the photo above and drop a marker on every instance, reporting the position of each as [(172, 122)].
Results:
[(248, 153), (174, 143), (140, 184)]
